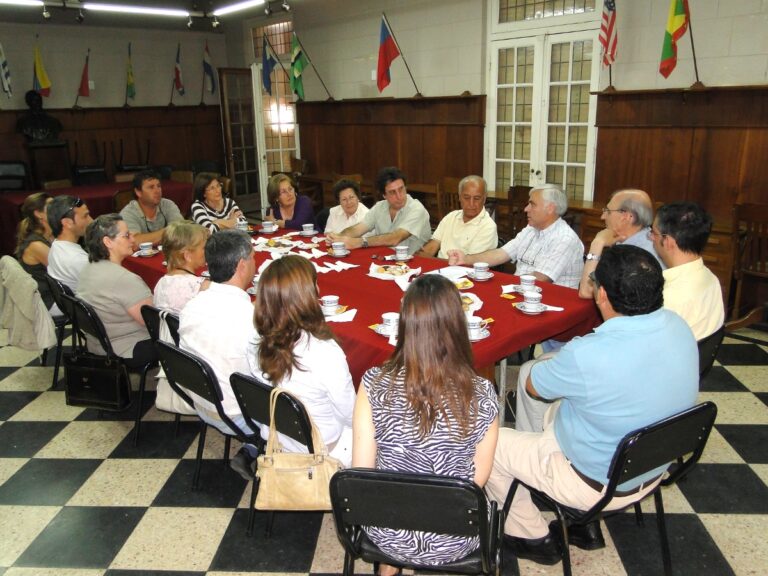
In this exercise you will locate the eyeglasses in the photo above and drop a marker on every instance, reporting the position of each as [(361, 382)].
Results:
[(652, 234), (213, 186), (77, 202), (126, 235), (607, 210)]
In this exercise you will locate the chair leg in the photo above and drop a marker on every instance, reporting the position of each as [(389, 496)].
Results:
[(639, 519), (566, 553), (270, 521), (43, 356), (59, 352), (199, 459), (227, 444), (251, 508), (349, 564), (142, 385), (662, 525), (177, 424)]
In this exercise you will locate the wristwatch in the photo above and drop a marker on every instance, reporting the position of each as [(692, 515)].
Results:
[(594, 257), (365, 242)]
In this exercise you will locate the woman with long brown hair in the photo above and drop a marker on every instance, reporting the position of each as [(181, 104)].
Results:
[(33, 241), (296, 350), (425, 410)]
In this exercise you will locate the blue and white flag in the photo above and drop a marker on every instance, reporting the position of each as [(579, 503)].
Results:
[(5, 74), (267, 65), (208, 76)]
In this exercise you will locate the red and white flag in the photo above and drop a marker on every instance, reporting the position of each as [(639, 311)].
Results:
[(178, 81), (608, 35)]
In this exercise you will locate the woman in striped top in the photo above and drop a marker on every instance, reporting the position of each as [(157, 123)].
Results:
[(211, 208), (425, 410)]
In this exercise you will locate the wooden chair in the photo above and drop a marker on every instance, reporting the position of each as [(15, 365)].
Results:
[(226, 185), (750, 229), (121, 198), (13, 176), (57, 184), (121, 177), (186, 176), (367, 199), (517, 199), (447, 196)]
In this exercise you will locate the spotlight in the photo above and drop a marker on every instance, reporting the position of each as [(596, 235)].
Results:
[(285, 6), (215, 22), (267, 10), (79, 18), (46, 14), (189, 22)]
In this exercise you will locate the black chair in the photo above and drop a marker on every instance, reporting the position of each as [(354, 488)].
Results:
[(252, 396), (172, 321), (441, 504), (58, 290), (681, 437), (85, 320), (708, 348), (13, 176), (186, 372)]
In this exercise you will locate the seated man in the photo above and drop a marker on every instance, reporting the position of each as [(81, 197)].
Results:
[(395, 220), (680, 233), (547, 248), (607, 384), (217, 325), (628, 217), (68, 218), (149, 214), (470, 229)]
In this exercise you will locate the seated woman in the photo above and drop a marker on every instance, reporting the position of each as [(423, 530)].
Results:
[(425, 410), (116, 294), (296, 350), (211, 208), (350, 210), (33, 242), (287, 208), (184, 250)]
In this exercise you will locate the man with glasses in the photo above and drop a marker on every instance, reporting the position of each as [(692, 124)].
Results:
[(68, 218), (628, 217), (149, 214), (602, 386), (547, 248), (679, 234)]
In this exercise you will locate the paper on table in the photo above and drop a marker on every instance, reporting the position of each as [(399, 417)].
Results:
[(258, 241), (372, 272), (292, 234), (453, 273), (476, 302), (305, 254), (508, 288), (318, 253), (347, 316), (345, 265), (320, 269)]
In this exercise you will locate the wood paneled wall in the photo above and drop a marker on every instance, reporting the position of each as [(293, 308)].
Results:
[(708, 146), (427, 138), (179, 135)]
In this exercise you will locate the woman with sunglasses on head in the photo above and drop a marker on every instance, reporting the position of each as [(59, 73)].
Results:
[(116, 294), (425, 410), (287, 208), (211, 207)]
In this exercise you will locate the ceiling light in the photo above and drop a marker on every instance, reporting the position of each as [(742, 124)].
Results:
[(215, 22), (46, 14), (237, 7), (189, 22), (79, 18), (124, 9), (286, 7), (22, 2), (267, 10)]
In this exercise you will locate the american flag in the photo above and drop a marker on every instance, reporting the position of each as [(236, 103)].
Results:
[(608, 35)]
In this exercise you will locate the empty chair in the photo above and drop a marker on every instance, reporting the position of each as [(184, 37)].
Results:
[(13, 176), (121, 198), (750, 230), (57, 184), (447, 196), (90, 173)]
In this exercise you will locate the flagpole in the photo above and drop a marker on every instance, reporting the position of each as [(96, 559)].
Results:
[(173, 85), (75, 106), (696, 85), (386, 20), (202, 84), (330, 98), (269, 44)]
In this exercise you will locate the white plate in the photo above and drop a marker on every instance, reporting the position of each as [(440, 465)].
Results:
[(381, 332), (471, 274), (344, 255), (519, 289), (148, 254), (482, 336), (393, 258), (251, 290), (265, 232), (308, 234), (530, 310)]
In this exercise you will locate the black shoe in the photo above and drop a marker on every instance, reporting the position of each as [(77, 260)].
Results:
[(244, 464), (541, 550), (584, 536)]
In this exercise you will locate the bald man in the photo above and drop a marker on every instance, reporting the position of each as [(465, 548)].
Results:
[(628, 217)]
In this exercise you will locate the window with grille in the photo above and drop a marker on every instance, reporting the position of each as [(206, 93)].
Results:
[(278, 36), (523, 10)]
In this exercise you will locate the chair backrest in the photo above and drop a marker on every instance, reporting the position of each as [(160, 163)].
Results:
[(186, 176), (57, 184), (291, 417), (708, 348), (121, 198), (448, 195), (58, 289), (172, 321), (517, 199), (405, 501), (86, 320), (152, 320), (751, 228), (206, 166), (13, 176)]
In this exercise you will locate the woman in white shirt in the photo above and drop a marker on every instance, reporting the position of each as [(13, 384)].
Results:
[(296, 350), (350, 210)]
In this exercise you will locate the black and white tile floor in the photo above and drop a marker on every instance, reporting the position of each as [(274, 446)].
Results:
[(78, 499)]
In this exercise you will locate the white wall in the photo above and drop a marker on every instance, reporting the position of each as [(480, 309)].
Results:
[(63, 50)]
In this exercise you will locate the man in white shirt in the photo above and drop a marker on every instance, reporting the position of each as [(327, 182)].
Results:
[(68, 218), (679, 233), (217, 325), (471, 229)]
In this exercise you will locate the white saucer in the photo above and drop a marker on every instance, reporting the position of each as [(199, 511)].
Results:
[(148, 254), (251, 290), (471, 274), (394, 258), (265, 232), (308, 234), (205, 274), (344, 255), (530, 310), (482, 336), (381, 332), (520, 290)]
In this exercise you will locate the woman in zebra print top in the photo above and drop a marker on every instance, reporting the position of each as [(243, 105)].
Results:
[(426, 410), (211, 208)]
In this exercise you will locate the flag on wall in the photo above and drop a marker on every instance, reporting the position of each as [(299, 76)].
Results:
[(208, 77), (130, 85), (5, 74), (608, 35), (677, 24), (40, 82), (388, 51), (299, 62), (268, 63), (85, 89), (178, 81)]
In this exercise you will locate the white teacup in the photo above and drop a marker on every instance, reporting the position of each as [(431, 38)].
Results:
[(389, 322), (476, 325), (242, 225), (145, 247), (481, 269), (268, 226), (532, 299), (527, 281), (329, 304), (338, 248), (308, 228), (401, 252)]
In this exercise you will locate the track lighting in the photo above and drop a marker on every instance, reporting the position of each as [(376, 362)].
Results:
[(267, 10), (79, 18), (215, 22), (46, 14), (189, 22), (285, 6)]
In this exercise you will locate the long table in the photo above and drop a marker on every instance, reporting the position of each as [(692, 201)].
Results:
[(98, 197), (511, 330)]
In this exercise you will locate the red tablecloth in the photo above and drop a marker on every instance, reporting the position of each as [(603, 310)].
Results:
[(511, 330), (98, 197)]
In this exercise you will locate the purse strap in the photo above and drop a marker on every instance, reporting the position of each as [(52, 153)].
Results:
[(273, 442)]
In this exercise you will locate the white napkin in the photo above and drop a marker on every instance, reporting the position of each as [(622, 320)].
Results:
[(453, 273), (508, 288), (392, 339), (258, 241), (292, 234), (305, 254), (374, 274), (345, 265), (318, 253), (403, 281), (263, 266), (476, 303), (346, 316), (318, 239), (320, 269)]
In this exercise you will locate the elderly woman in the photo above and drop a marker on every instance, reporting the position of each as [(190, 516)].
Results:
[(116, 294), (426, 410), (33, 241), (184, 250), (350, 210), (296, 350), (211, 208), (287, 208)]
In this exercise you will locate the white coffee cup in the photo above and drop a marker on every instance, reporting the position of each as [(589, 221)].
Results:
[(242, 225), (401, 252), (308, 228), (145, 247), (268, 226), (527, 281), (481, 269), (338, 248), (475, 325), (389, 322), (329, 304), (532, 299)]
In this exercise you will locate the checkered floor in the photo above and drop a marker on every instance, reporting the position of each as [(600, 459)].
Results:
[(77, 498)]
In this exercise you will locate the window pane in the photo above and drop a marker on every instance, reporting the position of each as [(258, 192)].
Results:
[(502, 175), (555, 174), (582, 60), (518, 10), (504, 142), (506, 66), (556, 144), (579, 103), (523, 143), (525, 65), (520, 176), (505, 111), (574, 182), (558, 99), (524, 104), (577, 144)]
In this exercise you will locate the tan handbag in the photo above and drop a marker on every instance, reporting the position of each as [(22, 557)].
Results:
[(293, 480)]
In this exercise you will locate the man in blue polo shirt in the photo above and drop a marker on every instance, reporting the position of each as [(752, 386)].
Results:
[(638, 367)]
